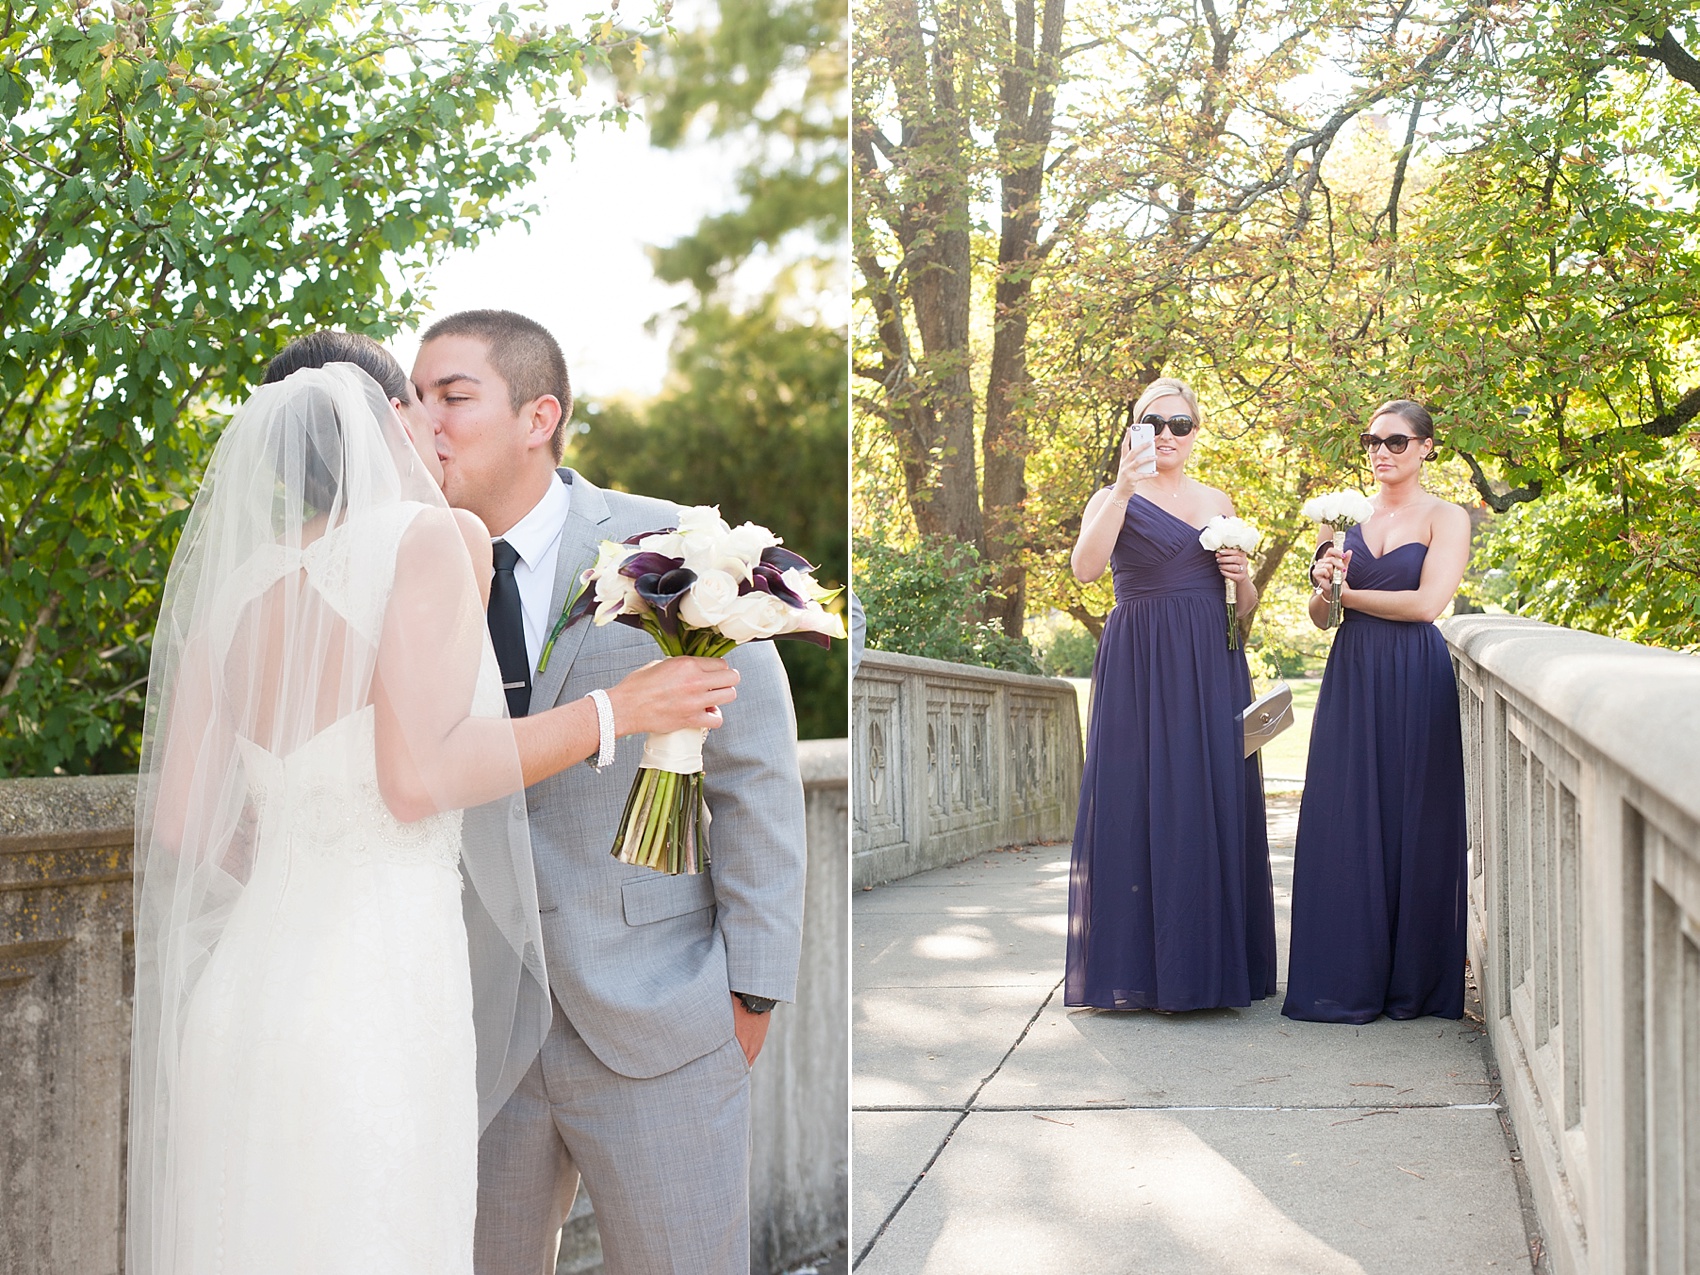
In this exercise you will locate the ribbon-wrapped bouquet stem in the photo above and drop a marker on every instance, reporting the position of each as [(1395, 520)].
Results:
[(1223, 532), (1338, 510), (701, 588)]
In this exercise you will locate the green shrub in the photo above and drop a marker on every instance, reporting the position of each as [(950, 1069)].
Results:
[(925, 601), (1071, 653)]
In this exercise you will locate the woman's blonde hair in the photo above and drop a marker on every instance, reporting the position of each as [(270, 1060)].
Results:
[(1162, 387)]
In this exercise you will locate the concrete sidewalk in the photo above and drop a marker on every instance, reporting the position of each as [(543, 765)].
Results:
[(996, 1131)]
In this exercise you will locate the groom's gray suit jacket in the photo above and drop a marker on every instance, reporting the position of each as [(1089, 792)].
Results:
[(642, 963)]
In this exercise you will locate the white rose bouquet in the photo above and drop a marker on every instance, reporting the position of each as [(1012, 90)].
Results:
[(700, 588), (1223, 532), (1338, 510)]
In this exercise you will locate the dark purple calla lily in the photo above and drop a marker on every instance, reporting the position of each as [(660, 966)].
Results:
[(645, 535), (819, 639), (646, 564), (781, 558), (768, 579), (664, 591), (582, 606)]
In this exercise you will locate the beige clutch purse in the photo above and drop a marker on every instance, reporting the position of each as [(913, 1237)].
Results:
[(1267, 716)]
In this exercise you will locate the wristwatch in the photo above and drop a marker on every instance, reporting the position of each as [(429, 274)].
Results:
[(756, 1004)]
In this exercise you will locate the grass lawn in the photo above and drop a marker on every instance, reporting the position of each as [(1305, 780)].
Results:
[(1283, 760)]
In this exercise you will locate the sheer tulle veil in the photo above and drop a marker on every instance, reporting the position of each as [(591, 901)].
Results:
[(321, 580)]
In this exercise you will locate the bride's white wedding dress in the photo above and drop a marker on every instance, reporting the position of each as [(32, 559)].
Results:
[(330, 1003), (328, 1118)]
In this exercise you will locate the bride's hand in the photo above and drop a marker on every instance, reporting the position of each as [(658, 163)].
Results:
[(681, 693)]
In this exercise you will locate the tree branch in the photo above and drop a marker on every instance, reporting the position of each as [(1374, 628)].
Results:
[(1677, 60), (32, 640), (1499, 502), (1666, 424)]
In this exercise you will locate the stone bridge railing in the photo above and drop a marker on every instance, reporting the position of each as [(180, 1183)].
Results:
[(1583, 766), (66, 979), (951, 760)]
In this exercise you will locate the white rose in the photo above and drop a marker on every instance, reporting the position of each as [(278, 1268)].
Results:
[(1222, 532), (712, 598), (701, 520), (1338, 508), (747, 543), (669, 544), (756, 615)]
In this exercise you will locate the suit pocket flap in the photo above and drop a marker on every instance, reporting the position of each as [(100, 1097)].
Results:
[(655, 898)]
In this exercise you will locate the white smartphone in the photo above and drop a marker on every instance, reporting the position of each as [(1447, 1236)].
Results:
[(1140, 435)]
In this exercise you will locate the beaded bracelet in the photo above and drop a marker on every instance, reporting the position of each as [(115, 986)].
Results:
[(604, 729)]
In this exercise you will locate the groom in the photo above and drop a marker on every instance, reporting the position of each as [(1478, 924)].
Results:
[(663, 986)]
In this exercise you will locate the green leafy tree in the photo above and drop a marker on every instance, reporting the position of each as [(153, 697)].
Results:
[(182, 192), (1489, 209), (926, 599), (770, 77), (752, 417), (752, 421)]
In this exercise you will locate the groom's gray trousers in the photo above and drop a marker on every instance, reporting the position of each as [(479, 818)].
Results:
[(641, 1090)]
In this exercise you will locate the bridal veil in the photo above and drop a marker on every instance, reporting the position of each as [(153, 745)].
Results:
[(320, 603)]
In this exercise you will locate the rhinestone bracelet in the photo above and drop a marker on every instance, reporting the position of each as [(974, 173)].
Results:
[(604, 729)]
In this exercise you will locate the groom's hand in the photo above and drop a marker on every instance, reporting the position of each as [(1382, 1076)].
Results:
[(751, 1029)]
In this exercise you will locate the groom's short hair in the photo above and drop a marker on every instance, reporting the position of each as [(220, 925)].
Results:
[(525, 355)]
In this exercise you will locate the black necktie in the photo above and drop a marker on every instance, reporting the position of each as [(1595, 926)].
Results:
[(507, 630)]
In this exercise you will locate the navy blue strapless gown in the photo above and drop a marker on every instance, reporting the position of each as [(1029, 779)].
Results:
[(1378, 871), (1170, 903)]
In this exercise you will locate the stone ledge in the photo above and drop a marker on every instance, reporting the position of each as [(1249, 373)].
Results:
[(824, 762), (78, 812), (1638, 706), (888, 661)]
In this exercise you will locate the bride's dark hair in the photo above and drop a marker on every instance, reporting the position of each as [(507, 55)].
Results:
[(324, 346), (316, 349)]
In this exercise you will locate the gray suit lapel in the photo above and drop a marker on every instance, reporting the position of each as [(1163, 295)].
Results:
[(581, 537)]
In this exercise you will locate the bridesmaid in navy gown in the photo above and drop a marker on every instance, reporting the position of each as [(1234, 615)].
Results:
[(1170, 899), (1378, 872)]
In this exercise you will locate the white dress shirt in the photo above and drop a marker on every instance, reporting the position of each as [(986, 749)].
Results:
[(537, 539)]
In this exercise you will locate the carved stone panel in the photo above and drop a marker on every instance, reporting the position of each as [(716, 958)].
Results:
[(959, 788), (878, 808)]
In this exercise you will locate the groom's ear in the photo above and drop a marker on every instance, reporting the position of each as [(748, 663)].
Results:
[(543, 420)]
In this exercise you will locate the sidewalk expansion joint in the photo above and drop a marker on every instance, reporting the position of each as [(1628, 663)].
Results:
[(995, 1107), (962, 1114)]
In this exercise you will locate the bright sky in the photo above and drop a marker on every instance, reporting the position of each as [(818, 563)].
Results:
[(581, 270)]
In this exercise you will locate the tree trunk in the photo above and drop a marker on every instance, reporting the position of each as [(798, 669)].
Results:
[(936, 436), (1027, 102)]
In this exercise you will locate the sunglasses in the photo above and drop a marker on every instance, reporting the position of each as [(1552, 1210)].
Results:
[(1395, 443), (1179, 426)]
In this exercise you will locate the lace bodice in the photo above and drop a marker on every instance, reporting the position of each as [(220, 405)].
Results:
[(323, 799)]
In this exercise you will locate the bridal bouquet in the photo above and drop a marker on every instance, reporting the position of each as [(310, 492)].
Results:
[(700, 588), (1339, 510), (1223, 532)]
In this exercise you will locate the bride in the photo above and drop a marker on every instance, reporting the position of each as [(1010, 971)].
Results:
[(339, 968)]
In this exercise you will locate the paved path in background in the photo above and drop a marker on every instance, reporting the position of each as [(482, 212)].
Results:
[(997, 1131)]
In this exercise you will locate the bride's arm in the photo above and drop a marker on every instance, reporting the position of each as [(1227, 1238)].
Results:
[(191, 718), (432, 753)]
